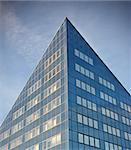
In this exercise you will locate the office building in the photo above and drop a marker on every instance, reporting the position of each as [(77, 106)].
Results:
[(72, 101)]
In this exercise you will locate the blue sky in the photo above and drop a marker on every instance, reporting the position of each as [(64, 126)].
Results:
[(26, 29)]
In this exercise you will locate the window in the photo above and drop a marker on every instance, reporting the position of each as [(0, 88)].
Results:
[(86, 103), (95, 124), (87, 121), (93, 106), (90, 122), (79, 100), (78, 83), (100, 80), (34, 116), (79, 118), (107, 98), (97, 143), (88, 88), (92, 75), (85, 86), (80, 137), (125, 107), (34, 147), (52, 73), (17, 127), (111, 130), (52, 105), (5, 147), (5, 135), (18, 113), (103, 111), (83, 57), (33, 102), (89, 104), (86, 58), (109, 113), (55, 86), (52, 58), (16, 142), (110, 146), (52, 142), (105, 127), (102, 95), (77, 53), (109, 85), (87, 73), (77, 67), (51, 123), (93, 90), (126, 121), (118, 132), (112, 87), (90, 61), (32, 133), (34, 87), (88, 140), (127, 136), (84, 71), (106, 83), (92, 141)]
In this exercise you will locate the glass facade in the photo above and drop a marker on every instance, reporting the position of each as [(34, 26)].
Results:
[(98, 105), (72, 101)]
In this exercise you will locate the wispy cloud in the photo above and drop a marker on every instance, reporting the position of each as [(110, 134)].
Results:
[(27, 42)]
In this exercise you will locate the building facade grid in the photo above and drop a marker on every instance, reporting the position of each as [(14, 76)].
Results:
[(72, 101)]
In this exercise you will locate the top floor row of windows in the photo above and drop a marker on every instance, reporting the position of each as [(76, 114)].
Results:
[(84, 57)]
